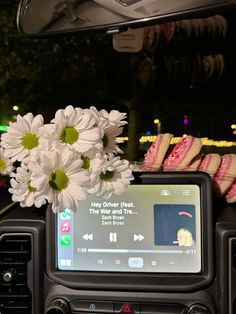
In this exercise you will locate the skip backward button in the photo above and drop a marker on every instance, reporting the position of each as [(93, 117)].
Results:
[(88, 236), (138, 237)]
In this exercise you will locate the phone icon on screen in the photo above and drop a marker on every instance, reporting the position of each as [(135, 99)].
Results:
[(65, 240)]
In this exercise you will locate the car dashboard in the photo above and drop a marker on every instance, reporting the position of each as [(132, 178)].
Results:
[(36, 279)]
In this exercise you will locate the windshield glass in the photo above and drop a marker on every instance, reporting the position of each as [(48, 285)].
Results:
[(181, 81)]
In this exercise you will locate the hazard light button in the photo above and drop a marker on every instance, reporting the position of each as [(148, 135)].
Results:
[(126, 308)]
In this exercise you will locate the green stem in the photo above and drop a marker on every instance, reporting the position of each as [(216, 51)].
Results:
[(6, 208)]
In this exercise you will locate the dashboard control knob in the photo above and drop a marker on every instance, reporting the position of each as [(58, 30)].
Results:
[(198, 309), (9, 275), (58, 306)]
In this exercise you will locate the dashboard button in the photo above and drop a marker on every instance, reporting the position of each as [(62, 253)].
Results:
[(92, 306), (149, 308), (126, 308), (198, 309), (135, 262)]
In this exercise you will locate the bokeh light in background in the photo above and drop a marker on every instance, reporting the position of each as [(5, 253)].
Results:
[(186, 120)]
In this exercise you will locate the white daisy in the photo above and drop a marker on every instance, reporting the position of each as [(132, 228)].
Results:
[(35, 154), (110, 175), (113, 118), (109, 142), (87, 158), (63, 159), (97, 116), (109, 124), (22, 136), (22, 191), (90, 163), (72, 128), (59, 174), (6, 166)]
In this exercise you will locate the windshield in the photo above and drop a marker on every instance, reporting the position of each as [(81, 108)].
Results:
[(181, 81)]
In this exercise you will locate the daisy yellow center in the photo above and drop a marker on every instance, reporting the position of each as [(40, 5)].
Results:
[(31, 188), (69, 135), (58, 180), (2, 164), (29, 141), (86, 163), (107, 176), (105, 140)]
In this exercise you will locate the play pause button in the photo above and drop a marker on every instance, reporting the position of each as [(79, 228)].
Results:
[(113, 237)]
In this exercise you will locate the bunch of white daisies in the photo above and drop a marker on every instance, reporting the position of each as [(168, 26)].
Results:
[(62, 162)]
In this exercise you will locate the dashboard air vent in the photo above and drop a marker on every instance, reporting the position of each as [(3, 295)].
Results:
[(15, 253)]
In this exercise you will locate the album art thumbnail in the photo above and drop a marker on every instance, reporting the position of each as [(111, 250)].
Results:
[(174, 224)]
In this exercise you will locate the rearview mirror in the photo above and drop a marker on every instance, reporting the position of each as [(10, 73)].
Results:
[(45, 17)]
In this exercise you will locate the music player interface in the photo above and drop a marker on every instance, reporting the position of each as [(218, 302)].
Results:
[(149, 228)]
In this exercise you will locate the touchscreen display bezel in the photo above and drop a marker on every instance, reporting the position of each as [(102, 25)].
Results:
[(141, 280)]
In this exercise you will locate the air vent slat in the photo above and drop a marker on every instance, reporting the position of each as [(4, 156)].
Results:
[(17, 240), (16, 296), (18, 307), (15, 253), (13, 311), (15, 284), (22, 284), (12, 262)]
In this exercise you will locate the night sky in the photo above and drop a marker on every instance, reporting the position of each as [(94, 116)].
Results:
[(48, 74)]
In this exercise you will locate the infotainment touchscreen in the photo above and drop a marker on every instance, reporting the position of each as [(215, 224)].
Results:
[(151, 228)]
